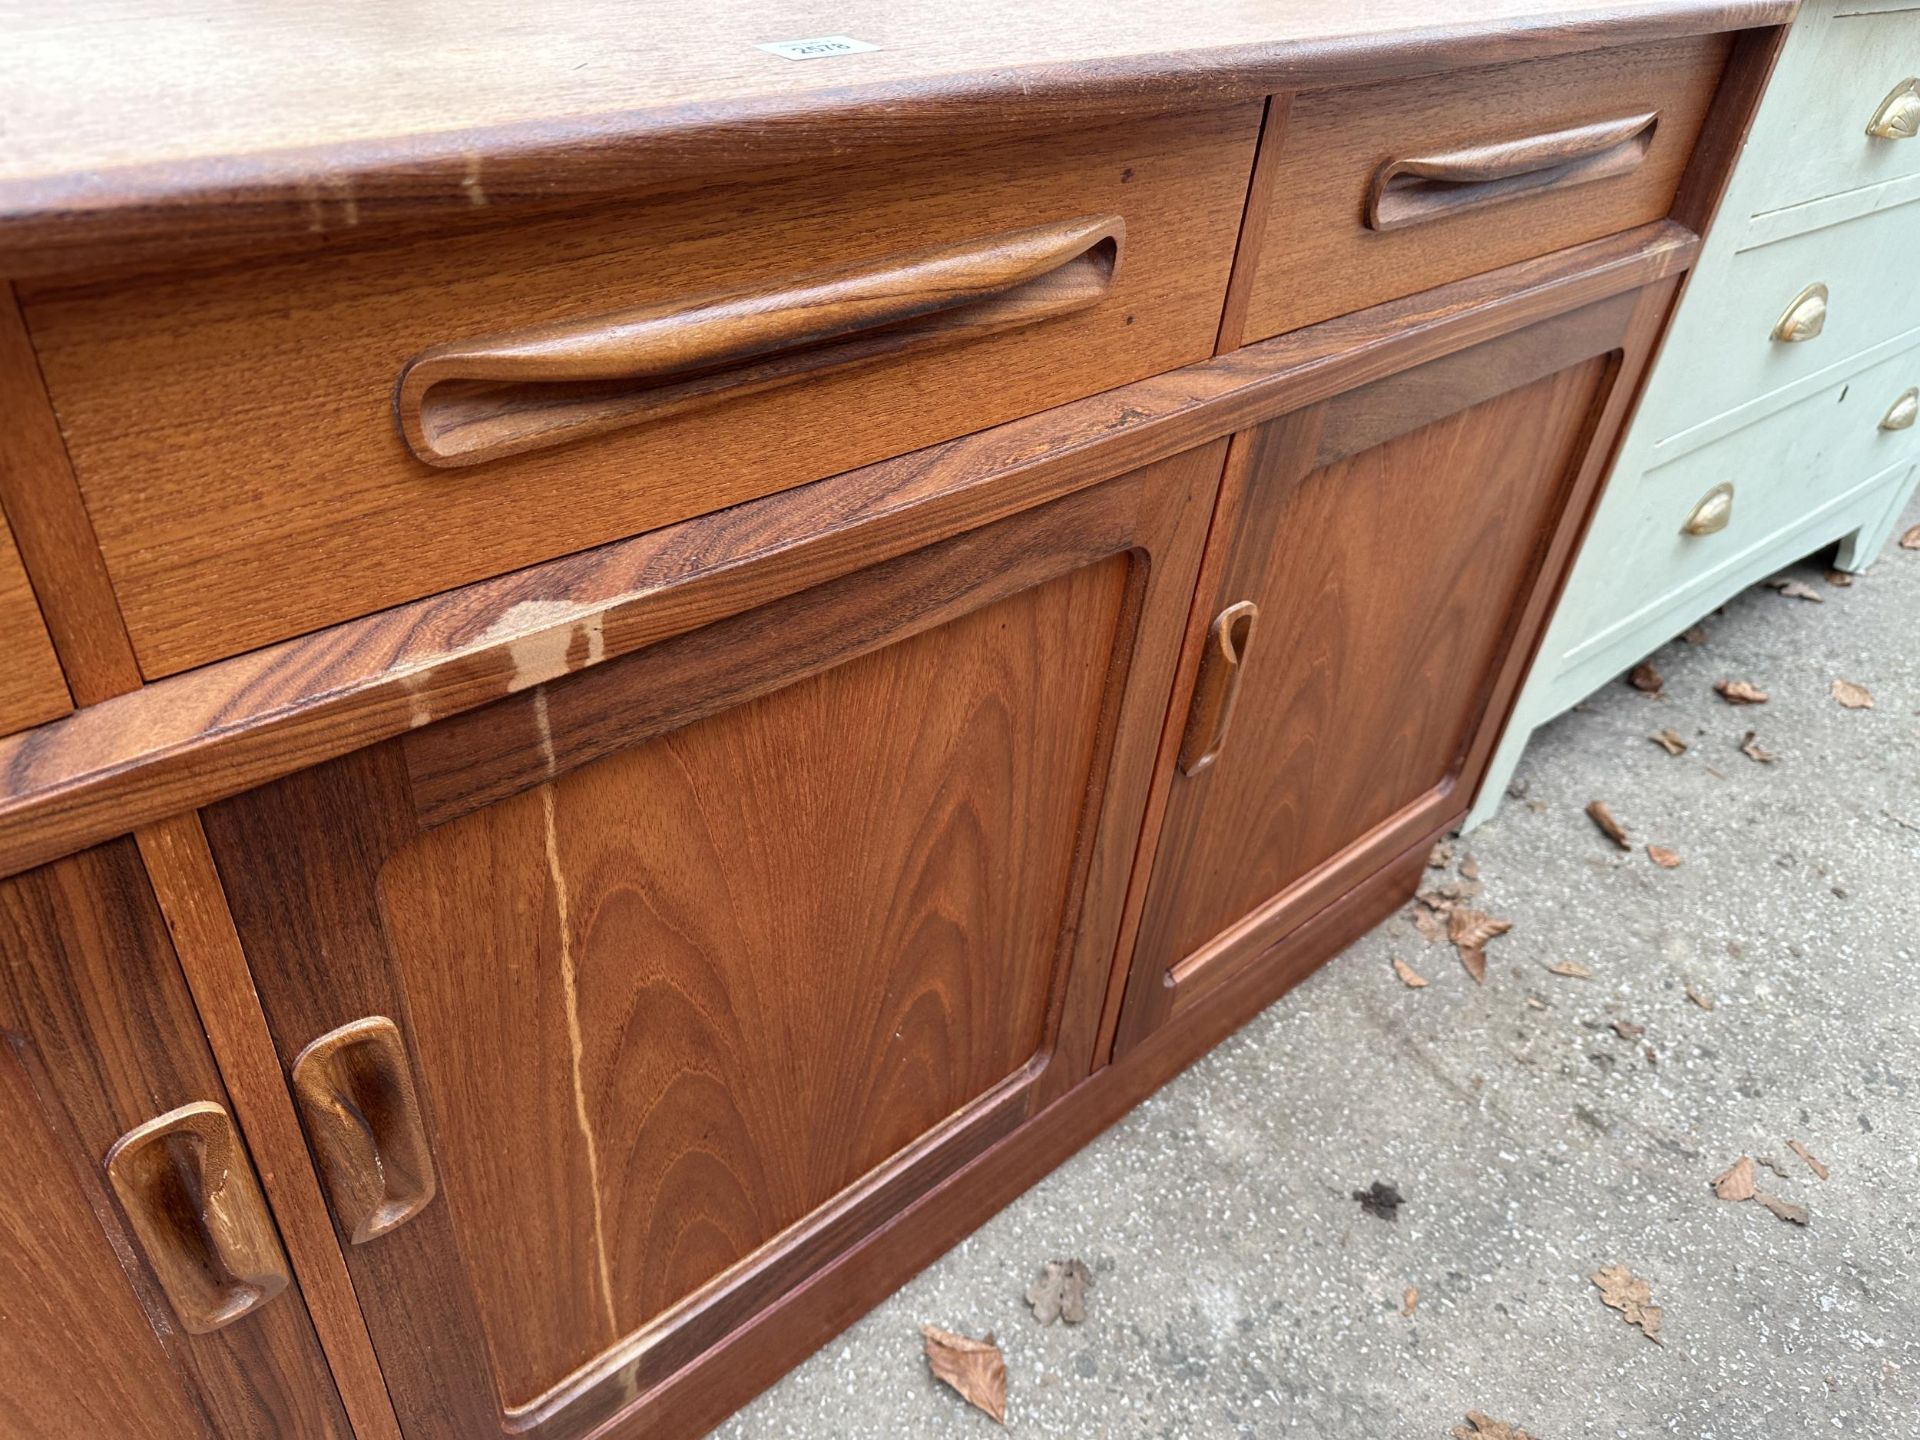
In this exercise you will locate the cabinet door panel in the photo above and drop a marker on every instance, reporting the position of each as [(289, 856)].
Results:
[(99, 1036), (1390, 539), (710, 959)]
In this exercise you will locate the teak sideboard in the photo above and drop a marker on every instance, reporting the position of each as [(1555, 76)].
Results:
[(645, 676)]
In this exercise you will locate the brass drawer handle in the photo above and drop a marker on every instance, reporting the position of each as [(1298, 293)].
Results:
[(1217, 686), (184, 1180), (1900, 415), (362, 1117), (1713, 514), (1429, 187), (1898, 117), (1805, 318), (470, 401)]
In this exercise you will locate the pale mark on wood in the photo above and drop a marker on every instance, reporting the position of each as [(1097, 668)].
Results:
[(570, 990)]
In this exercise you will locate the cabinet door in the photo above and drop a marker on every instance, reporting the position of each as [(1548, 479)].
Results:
[(664, 983), (154, 1305), (1378, 550)]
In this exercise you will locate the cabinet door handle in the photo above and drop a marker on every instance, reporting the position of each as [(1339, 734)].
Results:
[(1430, 187), (184, 1180), (1804, 318), (1712, 514), (1217, 686), (468, 401), (1898, 116), (1901, 414), (362, 1116)]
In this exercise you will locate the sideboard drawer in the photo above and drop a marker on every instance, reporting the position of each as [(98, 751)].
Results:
[(1380, 191), (1869, 296), (32, 689), (1865, 67), (256, 467)]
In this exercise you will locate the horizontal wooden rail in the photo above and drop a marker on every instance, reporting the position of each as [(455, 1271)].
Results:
[(194, 738)]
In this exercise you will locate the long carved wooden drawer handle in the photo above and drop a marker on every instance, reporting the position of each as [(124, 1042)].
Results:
[(188, 1190), (474, 400), (1217, 687), (1431, 187), (357, 1101)]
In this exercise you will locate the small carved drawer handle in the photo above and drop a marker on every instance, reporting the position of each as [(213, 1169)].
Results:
[(1218, 686), (1901, 414), (1898, 117), (1805, 318), (1713, 514), (184, 1180), (469, 401), (357, 1101), (1431, 187)]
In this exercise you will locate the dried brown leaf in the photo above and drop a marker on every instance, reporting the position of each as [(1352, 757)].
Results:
[(1629, 1029), (1699, 997), (1911, 540), (1470, 930), (1669, 741), (1061, 1292), (1644, 677), (1754, 750), (1626, 1292), (1409, 1300), (1796, 590), (1739, 692), (1429, 924), (1473, 960), (1695, 636), (1793, 1214), (1572, 969), (1852, 696), (1487, 1428), (1409, 977), (1736, 1182), (1469, 868), (1839, 579), (1534, 1002), (975, 1368), (1807, 1155), (1598, 812), (1663, 857)]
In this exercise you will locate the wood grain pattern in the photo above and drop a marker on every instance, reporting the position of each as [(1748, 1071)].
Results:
[(49, 520), (97, 1017), (192, 739), (186, 887), (1319, 259), (222, 536), (1390, 539), (692, 1035), (317, 124), (31, 686)]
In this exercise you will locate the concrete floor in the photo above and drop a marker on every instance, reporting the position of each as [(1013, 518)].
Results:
[(1242, 1291)]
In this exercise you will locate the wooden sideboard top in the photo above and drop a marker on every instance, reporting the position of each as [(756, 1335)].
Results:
[(133, 130)]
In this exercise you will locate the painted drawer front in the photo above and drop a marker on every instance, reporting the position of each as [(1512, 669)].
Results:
[(1812, 134), (1817, 455), (1871, 269), (583, 377)]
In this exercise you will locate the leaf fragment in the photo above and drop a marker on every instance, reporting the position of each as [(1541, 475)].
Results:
[(1572, 969), (1736, 1182), (1663, 857), (1754, 750), (1487, 1428), (1409, 977), (1793, 1214), (1852, 696), (975, 1368), (1409, 1300), (1699, 997), (1739, 692), (1061, 1292), (1645, 678), (1629, 1029), (1601, 815), (1429, 924), (1911, 540), (1440, 856), (1622, 1290), (1695, 636), (1807, 1155), (1796, 590), (1669, 741), (1470, 930), (1469, 868), (1839, 579)]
